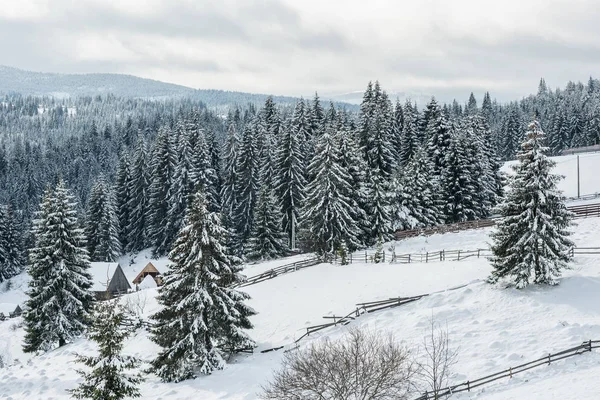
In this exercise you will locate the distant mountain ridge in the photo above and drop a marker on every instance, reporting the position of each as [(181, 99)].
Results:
[(14, 80)]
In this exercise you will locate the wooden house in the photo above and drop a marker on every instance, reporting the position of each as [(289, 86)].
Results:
[(109, 280), (17, 312), (150, 270)]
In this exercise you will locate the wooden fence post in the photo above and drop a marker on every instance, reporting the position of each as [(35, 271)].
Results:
[(427, 257), (350, 258), (478, 251), (549, 355), (366, 261), (458, 256), (409, 258), (384, 256), (468, 386)]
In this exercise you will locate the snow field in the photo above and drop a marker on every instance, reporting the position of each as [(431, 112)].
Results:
[(567, 166), (493, 328)]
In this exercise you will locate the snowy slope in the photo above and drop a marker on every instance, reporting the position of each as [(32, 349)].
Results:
[(493, 328), (589, 165)]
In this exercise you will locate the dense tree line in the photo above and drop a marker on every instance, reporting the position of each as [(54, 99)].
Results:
[(390, 165)]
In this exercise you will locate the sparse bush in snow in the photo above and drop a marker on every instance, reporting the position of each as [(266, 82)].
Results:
[(435, 371), (363, 365)]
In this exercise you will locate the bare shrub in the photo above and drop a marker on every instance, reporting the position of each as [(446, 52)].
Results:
[(435, 372), (363, 366)]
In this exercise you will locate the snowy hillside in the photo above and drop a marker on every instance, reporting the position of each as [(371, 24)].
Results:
[(493, 328), (589, 165)]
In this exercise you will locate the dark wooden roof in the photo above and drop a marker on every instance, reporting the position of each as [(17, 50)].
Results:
[(149, 269)]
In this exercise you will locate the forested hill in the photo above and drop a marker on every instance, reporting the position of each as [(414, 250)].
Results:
[(13, 80)]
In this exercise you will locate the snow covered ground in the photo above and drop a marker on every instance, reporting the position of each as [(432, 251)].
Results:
[(492, 327), (567, 166)]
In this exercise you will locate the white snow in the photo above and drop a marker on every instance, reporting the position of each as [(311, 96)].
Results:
[(102, 273), (493, 328), (567, 166), (148, 283)]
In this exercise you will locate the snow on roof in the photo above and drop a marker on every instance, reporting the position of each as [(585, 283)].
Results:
[(102, 273), (148, 283)]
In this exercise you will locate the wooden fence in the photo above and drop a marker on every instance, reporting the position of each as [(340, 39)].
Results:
[(283, 269), (368, 256), (508, 373), (360, 309), (584, 211)]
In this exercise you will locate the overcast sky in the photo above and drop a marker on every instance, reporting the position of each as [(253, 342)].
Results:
[(295, 47)]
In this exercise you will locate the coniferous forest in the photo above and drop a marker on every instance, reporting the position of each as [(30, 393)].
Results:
[(313, 173)]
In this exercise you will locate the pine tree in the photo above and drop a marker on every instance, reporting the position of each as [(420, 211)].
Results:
[(472, 105), (415, 202), (459, 181), (210, 317), (108, 379), (531, 241), (59, 298), (511, 133), (183, 184), (317, 119), (138, 202), (229, 190), (397, 131), (486, 108), (438, 136), (203, 175), (101, 228), (328, 209), (350, 160), (248, 187), (378, 206), (410, 140), (123, 199), (11, 245), (160, 192), (267, 240), (291, 170)]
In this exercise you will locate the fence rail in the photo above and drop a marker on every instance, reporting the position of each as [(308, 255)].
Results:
[(368, 256), (583, 211), (467, 386), (283, 269)]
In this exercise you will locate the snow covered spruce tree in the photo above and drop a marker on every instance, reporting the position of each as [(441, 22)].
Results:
[(123, 198), (415, 193), (108, 378), (268, 239), (138, 202), (531, 241), (59, 297), (183, 184), (101, 226), (161, 185), (248, 185), (329, 207), (202, 316), (11, 245)]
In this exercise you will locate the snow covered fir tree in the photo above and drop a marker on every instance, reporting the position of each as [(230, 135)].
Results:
[(531, 243), (11, 245), (108, 375), (202, 317), (59, 303)]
